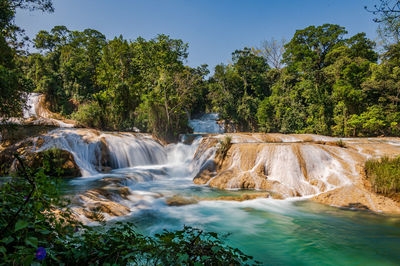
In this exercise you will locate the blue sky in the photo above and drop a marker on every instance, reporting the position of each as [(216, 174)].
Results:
[(213, 28)]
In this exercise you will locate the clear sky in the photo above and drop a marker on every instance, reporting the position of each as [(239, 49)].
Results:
[(213, 28)]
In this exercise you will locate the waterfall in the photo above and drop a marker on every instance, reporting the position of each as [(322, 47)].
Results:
[(207, 123), (127, 150), (84, 145), (292, 169), (91, 148), (31, 104), (35, 108)]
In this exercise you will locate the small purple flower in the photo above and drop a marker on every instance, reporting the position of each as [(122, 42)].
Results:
[(76, 229), (25, 197), (41, 253)]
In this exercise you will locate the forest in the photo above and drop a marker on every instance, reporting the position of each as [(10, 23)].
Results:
[(322, 81)]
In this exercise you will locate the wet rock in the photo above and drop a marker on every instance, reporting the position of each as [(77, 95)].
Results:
[(95, 211), (357, 205), (95, 204), (203, 177), (105, 157), (13, 134), (180, 201), (8, 162), (243, 197), (297, 166), (358, 197), (113, 193), (56, 162)]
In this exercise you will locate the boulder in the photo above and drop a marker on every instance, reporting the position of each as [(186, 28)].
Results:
[(56, 162)]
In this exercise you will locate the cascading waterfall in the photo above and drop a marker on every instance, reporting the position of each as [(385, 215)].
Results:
[(147, 175), (35, 108), (31, 105), (297, 169), (127, 150), (90, 148), (85, 147), (207, 123)]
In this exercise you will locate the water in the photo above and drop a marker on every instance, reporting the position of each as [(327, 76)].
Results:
[(275, 232), (41, 115), (288, 233), (31, 105), (207, 123), (90, 146)]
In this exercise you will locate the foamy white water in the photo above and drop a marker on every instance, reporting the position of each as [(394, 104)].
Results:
[(207, 123), (274, 231), (31, 105), (90, 147)]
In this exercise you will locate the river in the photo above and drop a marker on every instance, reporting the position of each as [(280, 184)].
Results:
[(275, 232)]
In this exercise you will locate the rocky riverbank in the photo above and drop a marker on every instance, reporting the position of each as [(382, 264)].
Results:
[(323, 169)]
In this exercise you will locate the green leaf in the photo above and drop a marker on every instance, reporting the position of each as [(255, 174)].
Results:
[(32, 241), (7, 240), (132, 254), (20, 225), (27, 260), (3, 250), (215, 249), (183, 257), (45, 232)]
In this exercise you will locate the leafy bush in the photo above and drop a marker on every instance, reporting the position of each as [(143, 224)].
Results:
[(384, 175), (340, 143), (90, 115), (29, 218), (121, 244), (36, 226)]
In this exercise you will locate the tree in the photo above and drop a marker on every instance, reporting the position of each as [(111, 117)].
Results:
[(387, 14), (8, 9), (308, 48), (272, 51), (13, 84)]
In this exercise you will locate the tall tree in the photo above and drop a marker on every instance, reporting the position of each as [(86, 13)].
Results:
[(273, 50), (12, 83)]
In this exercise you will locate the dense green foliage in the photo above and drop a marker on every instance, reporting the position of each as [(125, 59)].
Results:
[(384, 175), (36, 226), (321, 81), (117, 84), (329, 85), (13, 83)]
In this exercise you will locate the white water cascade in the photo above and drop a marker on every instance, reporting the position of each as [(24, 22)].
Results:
[(35, 109), (207, 123), (31, 105), (128, 150), (91, 147), (152, 186)]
